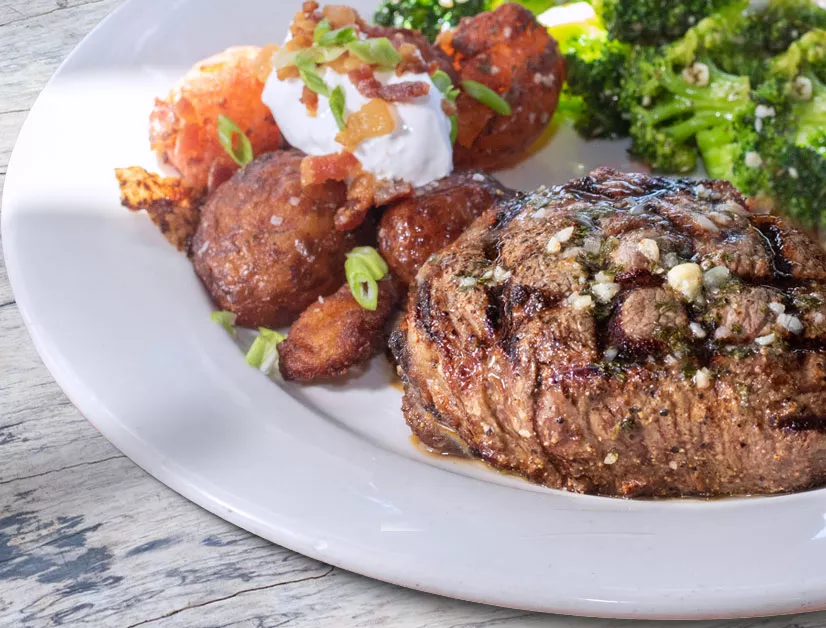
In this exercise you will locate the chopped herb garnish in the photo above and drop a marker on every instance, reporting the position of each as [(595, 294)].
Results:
[(378, 51), (226, 320), (364, 267), (234, 141), (454, 128), (487, 97), (263, 353), (337, 103), (337, 37), (309, 75), (321, 29)]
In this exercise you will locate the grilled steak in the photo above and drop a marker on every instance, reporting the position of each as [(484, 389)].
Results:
[(624, 335)]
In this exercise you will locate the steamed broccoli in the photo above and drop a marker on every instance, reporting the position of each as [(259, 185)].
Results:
[(595, 73), (740, 41), (654, 21), (431, 17), (796, 92), (673, 94)]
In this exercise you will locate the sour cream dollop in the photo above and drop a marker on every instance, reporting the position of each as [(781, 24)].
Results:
[(418, 151)]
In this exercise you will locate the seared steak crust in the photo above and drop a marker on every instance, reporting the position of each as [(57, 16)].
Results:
[(553, 340)]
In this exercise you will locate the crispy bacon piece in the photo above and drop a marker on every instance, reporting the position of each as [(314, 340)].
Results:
[(374, 119), (365, 192), (310, 100), (370, 87), (336, 167), (172, 205)]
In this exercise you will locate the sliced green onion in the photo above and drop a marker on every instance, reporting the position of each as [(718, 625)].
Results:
[(226, 320), (321, 29), (487, 97), (454, 128), (444, 84), (337, 37), (363, 268), (316, 55), (371, 258), (263, 353), (227, 132), (283, 58), (337, 103), (378, 51), (309, 75)]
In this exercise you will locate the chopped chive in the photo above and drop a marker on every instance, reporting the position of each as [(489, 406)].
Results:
[(321, 29), (337, 104), (226, 320), (364, 267), (444, 84), (309, 75), (487, 97), (228, 131), (378, 51), (263, 353), (454, 128), (337, 37)]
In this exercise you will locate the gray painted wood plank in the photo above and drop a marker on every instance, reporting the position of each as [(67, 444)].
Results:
[(88, 539)]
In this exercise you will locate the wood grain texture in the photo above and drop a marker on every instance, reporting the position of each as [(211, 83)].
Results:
[(88, 539)]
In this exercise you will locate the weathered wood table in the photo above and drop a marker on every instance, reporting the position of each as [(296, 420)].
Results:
[(88, 539)]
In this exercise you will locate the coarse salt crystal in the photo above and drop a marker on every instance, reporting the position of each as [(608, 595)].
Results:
[(580, 301), (777, 308), (722, 332), (294, 201), (603, 277), (477, 176), (611, 354), (500, 274), (611, 458), (276, 220)]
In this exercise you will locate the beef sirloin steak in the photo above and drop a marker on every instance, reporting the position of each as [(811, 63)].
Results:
[(626, 335)]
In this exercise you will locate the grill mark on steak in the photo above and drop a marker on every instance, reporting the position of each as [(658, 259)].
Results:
[(802, 423)]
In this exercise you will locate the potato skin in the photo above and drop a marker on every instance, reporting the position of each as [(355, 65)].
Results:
[(414, 228), (183, 127), (510, 52), (333, 336), (266, 248)]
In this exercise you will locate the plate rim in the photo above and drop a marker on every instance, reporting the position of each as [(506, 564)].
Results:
[(165, 471)]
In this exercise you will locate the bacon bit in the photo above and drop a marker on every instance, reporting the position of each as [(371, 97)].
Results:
[(360, 194), (173, 206), (310, 100), (449, 108), (370, 87), (340, 16), (263, 62), (412, 60), (303, 26), (309, 6), (346, 63), (336, 167), (374, 119), (287, 73)]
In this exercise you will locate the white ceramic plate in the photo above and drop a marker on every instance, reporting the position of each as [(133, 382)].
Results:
[(123, 324)]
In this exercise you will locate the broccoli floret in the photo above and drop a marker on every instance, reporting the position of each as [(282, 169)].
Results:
[(797, 92), (431, 17), (672, 95), (595, 71), (654, 22), (732, 151), (740, 43)]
